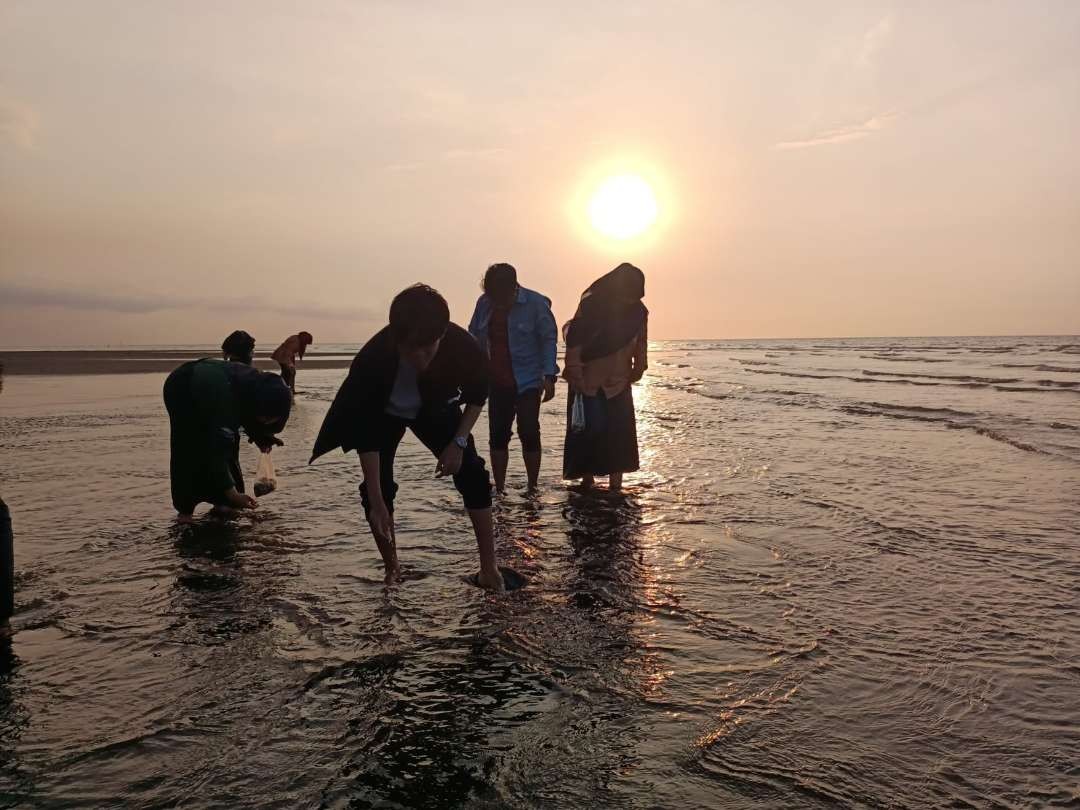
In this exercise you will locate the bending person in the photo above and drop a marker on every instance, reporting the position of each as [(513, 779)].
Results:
[(209, 401), (287, 354), (518, 332), (415, 374), (606, 352)]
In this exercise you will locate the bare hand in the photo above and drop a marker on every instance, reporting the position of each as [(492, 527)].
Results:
[(549, 389), (382, 523), (238, 500), (267, 443), (449, 461)]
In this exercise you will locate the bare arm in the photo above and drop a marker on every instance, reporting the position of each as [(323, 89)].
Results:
[(379, 517), (450, 458)]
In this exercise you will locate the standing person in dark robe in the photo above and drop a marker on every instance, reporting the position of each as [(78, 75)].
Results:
[(209, 401), (606, 353), (416, 374), (239, 347)]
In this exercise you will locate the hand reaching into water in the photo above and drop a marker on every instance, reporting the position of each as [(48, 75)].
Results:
[(238, 500)]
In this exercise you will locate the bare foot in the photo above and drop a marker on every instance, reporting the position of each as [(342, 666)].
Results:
[(491, 582)]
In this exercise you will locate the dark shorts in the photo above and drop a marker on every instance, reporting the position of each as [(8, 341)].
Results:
[(506, 403), (435, 428)]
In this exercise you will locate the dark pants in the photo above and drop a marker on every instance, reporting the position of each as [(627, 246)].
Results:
[(435, 428), (288, 374), (7, 565), (506, 403)]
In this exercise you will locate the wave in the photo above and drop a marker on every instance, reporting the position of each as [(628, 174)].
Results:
[(1064, 426), (1058, 384), (941, 416), (957, 377), (904, 380), (753, 362), (1044, 367), (903, 359)]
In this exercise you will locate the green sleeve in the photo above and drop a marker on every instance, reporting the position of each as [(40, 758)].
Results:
[(214, 400)]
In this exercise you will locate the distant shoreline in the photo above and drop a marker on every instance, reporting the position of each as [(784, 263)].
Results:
[(138, 361)]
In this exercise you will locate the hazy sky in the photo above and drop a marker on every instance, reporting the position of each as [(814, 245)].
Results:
[(172, 171)]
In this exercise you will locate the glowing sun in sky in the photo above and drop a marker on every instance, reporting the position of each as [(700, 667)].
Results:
[(623, 206)]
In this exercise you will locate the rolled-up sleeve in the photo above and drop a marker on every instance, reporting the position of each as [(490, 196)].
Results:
[(548, 335)]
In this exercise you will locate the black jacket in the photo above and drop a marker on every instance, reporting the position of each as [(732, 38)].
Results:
[(458, 373)]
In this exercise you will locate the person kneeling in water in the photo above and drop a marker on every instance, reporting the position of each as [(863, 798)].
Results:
[(209, 401), (415, 374)]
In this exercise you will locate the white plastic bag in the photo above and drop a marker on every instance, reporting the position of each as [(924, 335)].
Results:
[(577, 414), (265, 477)]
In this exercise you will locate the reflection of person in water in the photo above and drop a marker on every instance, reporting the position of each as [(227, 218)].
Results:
[(606, 352), (239, 347), (208, 402), (415, 375)]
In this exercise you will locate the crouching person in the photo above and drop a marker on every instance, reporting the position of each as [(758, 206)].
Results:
[(415, 374), (209, 401)]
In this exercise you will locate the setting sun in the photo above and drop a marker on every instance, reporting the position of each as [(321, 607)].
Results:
[(623, 206)]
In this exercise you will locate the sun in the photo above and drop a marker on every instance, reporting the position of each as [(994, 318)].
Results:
[(623, 206)]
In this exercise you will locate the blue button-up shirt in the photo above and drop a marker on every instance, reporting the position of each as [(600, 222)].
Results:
[(533, 336)]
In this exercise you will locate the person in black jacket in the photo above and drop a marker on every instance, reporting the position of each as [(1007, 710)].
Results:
[(415, 373)]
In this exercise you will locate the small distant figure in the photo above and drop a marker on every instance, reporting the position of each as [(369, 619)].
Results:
[(517, 331), (209, 401), (606, 352), (287, 354), (415, 374), (239, 347)]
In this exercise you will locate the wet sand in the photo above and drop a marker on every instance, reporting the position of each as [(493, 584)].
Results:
[(135, 361)]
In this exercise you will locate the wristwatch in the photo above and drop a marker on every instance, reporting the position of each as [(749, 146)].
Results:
[(461, 442)]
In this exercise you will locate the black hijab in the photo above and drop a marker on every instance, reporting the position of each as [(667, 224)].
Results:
[(259, 394), (609, 315)]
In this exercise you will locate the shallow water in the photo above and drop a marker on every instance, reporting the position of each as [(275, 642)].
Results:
[(848, 574)]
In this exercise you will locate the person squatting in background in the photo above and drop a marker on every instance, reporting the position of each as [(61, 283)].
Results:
[(209, 401), (239, 347), (287, 353)]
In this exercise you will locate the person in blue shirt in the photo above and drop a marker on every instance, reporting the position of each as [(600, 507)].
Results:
[(516, 329)]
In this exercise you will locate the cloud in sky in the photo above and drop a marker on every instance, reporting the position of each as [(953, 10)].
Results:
[(13, 296), (19, 123), (844, 134), (874, 41)]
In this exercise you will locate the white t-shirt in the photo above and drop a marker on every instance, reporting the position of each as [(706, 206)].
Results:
[(404, 401)]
